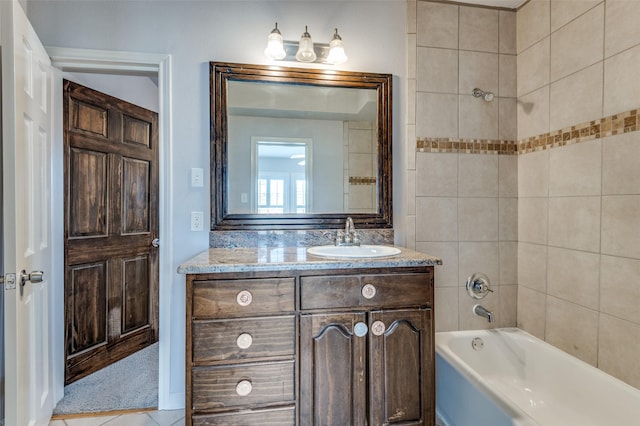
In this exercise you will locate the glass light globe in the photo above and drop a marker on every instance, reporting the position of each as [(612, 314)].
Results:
[(275, 47), (336, 50), (305, 48)]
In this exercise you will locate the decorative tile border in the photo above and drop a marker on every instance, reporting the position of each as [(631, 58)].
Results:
[(362, 180), (466, 146), (628, 121)]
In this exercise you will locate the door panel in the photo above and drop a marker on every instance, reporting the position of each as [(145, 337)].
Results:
[(26, 168), (400, 394), (111, 205), (332, 370)]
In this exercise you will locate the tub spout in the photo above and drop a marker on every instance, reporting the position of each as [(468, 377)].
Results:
[(482, 312)]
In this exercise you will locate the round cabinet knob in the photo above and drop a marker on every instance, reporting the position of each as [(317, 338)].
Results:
[(360, 329), (244, 340), (368, 291), (244, 388), (378, 328), (244, 298)]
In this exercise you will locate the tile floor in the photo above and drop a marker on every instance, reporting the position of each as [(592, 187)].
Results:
[(148, 418)]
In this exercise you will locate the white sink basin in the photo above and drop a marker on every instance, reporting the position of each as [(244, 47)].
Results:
[(353, 251)]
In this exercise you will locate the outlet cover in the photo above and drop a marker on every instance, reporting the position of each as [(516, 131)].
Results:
[(196, 221)]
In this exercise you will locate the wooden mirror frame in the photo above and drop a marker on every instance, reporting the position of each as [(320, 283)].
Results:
[(220, 73)]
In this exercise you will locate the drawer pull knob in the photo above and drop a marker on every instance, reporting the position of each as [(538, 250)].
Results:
[(378, 328), (368, 291), (244, 388), (244, 298), (360, 329), (244, 341)]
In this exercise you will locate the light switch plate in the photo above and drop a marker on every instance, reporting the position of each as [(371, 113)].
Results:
[(197, 177)]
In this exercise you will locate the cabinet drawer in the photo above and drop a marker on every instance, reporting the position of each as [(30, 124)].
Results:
[(238, 339), (275, 417), (216, 388), (348, 291), (235, 298)]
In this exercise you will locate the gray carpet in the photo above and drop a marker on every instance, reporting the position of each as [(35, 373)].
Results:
[(129, 383)]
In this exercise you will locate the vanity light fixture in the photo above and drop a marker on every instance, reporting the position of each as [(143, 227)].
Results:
[(305, 50)]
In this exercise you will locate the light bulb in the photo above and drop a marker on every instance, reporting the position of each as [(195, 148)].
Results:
[(275, 47), (305, 48), (336, 50)]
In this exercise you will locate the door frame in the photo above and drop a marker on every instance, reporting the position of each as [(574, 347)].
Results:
[(119, 62)]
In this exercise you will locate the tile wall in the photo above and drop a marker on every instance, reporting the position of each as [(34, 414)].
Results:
[(462, 193), (360, 160), (579, 188)]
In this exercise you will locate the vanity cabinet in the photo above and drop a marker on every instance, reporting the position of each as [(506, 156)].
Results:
[(311, 347)]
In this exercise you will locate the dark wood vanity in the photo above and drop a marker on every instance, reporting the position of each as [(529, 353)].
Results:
[(311, 342)]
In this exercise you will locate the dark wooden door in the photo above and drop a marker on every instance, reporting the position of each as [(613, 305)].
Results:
[(111, 218), (333, 383), (402, 387)]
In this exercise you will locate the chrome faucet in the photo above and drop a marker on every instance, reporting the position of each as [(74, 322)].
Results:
[(348, 237), (481, 311)]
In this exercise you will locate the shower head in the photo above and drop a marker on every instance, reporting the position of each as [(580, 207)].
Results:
[(479, 93)]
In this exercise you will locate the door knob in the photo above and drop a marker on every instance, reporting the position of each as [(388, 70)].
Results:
[(34, 277), (156, 242)]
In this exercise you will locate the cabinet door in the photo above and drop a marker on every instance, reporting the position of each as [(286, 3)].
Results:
[(332, 370), (401, 368)]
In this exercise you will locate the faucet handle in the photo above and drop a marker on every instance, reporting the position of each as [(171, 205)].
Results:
[(478, 286), (339, 237)]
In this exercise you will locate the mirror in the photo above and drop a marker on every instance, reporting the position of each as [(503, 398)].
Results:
[(298, 148)]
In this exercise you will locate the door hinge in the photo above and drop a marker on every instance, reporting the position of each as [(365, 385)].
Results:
[(9, 281)]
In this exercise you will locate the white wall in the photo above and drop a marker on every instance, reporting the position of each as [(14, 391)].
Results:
[(195, 33)]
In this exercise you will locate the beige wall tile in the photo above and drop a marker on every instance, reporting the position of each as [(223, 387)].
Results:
[(533, 174), (360, 141), (574, 223), (508, 305), (437, 25), (469, 320), (533, 23), (479, 257), (618, 349), (621, 225), (574, 276), (507, 119), (533, 67), (412, 16), (532, 219), (621, 26), (572, 328), (533, 113), (478, 69), (532, 266), (531, 311), (508, 175), (508, 74), (620, 171), (412, 54), (411, 147), (508, 221), (437, 174), (564, 11), (446, 275), (436, 219), (437, 70), (577, 98), (478, 219), (477, 175), (411, 101), (436, 115), (508, 262), (411, 192), (446, 299), (507, 32), (619, 288), (478, 119), (621, 82), (576, 169), (578, 44), (360, 164), (479, 29)]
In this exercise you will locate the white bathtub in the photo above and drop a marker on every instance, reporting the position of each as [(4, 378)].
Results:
[(517, 379)]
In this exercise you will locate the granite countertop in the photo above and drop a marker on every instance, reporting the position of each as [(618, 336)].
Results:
[(292, 258)]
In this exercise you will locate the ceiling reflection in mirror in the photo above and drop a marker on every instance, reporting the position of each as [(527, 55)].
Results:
[(311, 149), (299, 148)]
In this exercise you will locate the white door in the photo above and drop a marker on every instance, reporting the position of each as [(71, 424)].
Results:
[(26, 119)]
